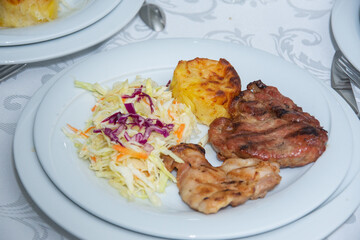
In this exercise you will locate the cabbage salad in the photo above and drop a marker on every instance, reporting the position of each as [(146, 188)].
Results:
[(131, 125)]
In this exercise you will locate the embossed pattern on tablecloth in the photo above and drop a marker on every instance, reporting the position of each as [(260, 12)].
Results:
[(295, 30)]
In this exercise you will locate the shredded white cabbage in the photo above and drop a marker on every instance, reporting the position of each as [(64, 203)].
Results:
[(135, 169)]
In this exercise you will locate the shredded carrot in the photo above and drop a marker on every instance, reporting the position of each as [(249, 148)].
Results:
[(126, 151), (93, 158), (77, 131), (84, 135), (87, 130), (146, 101), (94, 107), (72, 128), (179, 132), (171, 116), (119, 156)]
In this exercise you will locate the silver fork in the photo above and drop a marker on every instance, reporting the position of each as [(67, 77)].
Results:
[(8, 70), (342, 73)]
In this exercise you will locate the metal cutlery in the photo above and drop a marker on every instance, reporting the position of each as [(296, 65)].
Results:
[(8, 70), (153, 16), (342, 75)]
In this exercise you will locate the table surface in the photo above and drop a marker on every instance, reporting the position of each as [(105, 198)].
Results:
[(295, 30)]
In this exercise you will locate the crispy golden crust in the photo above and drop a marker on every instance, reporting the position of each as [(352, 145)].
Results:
[(207, 86), (22, 13)]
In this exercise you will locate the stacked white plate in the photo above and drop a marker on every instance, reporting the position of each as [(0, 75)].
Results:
[(345, 25), (81, 24), (309, 203)]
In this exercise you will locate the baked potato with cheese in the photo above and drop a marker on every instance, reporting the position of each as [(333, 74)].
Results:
[(22, 13), (207, 86)]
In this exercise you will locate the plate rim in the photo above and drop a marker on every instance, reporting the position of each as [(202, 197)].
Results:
[(347, 13), (72, 43), (41, 109), (58, 27)]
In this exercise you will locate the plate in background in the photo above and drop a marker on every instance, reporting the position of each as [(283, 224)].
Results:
[(74, 15), (87, 37), (345, 25)]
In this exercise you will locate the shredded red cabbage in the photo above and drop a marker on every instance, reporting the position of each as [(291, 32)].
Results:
[(168, 84), (130, 108), (112, 133), (123, 121), (138, 92)]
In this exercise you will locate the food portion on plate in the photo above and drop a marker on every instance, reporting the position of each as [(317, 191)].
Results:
[(139, 133), (207, 86), (23, 13), (131, 125), (207, 189), (266, 125)]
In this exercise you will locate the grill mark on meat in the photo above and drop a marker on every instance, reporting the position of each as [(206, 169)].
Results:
[(231, 182), (280, 111), (308, 130), (244, 147), (248, 134)]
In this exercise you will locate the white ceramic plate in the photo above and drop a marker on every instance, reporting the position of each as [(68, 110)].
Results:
[(93, 34), (345, 24), (74, 16), (80, 223), (157, 59)]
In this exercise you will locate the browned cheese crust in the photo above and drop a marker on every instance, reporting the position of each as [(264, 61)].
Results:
[(206, 86), (23, 13)]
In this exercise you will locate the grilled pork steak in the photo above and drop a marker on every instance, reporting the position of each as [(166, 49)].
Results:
[(265, 124)]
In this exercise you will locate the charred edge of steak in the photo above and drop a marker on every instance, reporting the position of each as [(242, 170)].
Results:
[(260, 84), (308, 130), (183, 146), (256, 86)]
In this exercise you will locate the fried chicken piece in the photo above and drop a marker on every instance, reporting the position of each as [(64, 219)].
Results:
[(207, 189), (265, 124)]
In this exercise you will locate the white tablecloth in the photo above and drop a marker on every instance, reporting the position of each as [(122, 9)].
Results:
[(295, 30)]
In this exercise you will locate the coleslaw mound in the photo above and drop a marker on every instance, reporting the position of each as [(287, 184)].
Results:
[(131, 125)]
